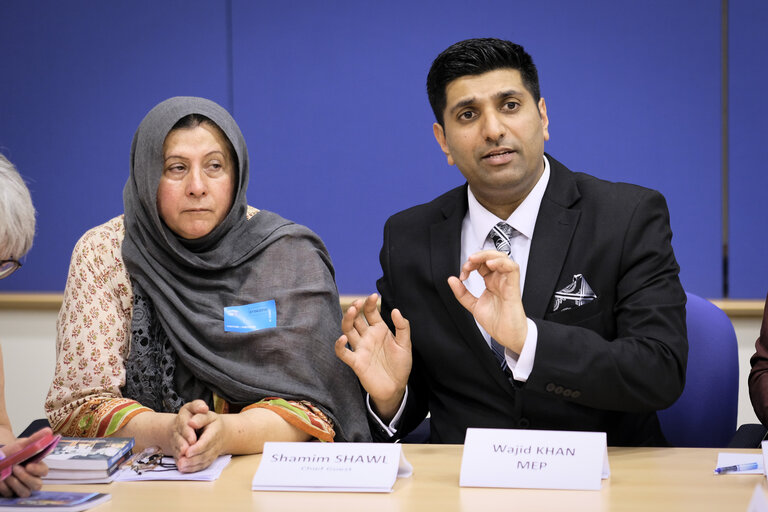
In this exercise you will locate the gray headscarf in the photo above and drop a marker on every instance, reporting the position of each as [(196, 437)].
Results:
[(190, 282)]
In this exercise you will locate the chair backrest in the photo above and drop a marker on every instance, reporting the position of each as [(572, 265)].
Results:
[(705, 414)]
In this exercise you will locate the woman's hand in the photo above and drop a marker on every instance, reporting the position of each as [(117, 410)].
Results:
[(24, 479), (198, 438)]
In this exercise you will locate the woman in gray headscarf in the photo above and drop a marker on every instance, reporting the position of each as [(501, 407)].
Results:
[(193, 305)]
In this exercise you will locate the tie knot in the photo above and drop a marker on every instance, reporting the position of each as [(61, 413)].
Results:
[(501, 234)]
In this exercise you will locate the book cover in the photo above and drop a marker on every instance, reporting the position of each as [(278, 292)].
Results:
[(79, 476), (80, 453), (61, 501)]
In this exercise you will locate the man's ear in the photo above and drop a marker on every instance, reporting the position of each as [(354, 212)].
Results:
[(544, 118), (439, 132)]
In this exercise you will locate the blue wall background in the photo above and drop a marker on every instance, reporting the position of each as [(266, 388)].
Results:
[(331, 99), (748, 148)]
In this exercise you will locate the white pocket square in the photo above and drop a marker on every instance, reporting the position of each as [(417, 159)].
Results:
[(574, 295)]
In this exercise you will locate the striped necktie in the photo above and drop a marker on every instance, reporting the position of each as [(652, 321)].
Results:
[(500, 235), (498, 351)]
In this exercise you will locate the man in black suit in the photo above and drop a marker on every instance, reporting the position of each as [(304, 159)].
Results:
[(573, 318)]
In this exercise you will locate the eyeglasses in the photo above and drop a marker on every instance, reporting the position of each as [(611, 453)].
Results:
[(8, 267), (151, 459)]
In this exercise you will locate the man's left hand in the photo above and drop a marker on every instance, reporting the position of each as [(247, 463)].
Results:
[(499, 309)]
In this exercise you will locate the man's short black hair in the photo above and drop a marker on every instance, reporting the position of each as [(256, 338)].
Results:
[(475, 57)]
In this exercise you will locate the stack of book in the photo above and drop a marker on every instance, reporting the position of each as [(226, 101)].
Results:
[(79, 460)]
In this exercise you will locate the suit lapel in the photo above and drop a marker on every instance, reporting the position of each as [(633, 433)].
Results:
[(552, 235), (445, 251)]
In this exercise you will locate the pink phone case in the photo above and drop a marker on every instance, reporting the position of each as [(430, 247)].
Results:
[(33, 452)]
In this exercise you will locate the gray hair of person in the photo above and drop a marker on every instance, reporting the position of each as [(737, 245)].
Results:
[(17, 214)]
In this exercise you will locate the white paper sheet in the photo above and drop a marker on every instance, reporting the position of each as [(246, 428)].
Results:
[(732, 459), (208, 474)]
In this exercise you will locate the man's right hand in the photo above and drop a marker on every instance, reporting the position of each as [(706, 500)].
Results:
[(380, 360)]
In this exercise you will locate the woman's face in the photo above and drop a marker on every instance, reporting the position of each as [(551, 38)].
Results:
[(197, 186)]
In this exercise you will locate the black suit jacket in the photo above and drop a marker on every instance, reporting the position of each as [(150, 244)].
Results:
[(605, 366)]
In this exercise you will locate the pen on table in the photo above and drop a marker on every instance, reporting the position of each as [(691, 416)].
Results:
[(737, 467)]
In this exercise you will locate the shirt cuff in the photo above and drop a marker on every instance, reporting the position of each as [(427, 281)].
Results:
[(522, 365), (390, 429)]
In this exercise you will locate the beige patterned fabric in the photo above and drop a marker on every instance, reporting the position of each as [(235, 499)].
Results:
[(93, 333)]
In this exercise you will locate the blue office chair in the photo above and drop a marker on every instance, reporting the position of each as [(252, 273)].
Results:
[(705, 414)]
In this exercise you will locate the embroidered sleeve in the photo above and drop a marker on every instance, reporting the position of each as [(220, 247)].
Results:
[(92, 339), (99, 417), (301, 414)]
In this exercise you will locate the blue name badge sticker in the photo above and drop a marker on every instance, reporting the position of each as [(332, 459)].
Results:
[(250, 317)]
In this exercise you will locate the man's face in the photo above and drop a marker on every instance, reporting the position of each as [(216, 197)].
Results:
[(494, 133)]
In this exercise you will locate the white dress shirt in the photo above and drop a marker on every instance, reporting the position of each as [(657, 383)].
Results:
[(477, 223)]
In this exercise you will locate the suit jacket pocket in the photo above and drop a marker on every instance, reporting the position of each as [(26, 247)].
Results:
[(587, 315)]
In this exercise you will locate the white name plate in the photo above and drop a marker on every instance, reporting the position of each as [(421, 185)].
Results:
[(534, 459), (330, 467)]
